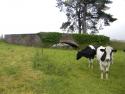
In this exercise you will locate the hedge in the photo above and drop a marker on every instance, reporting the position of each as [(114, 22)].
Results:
[(93, 39), (54, 37), (49, 38)]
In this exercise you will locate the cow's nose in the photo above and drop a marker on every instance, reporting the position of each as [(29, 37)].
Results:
[(107, 59)]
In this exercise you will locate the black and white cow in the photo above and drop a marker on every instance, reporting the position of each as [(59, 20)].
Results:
[(88, 52), (104, 56)]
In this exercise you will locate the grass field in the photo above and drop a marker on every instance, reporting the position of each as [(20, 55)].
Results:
[(118, 44), (29, 70)]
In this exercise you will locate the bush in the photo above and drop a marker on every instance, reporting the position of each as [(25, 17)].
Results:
[(91, 39), (50, 37)]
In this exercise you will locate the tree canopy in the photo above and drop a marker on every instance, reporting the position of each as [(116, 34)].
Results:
[(83, 15)]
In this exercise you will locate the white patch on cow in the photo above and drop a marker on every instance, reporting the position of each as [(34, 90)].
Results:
[(108, 52), (92, 47)]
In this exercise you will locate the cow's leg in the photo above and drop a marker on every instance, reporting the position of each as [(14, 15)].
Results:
[(102, 70), (106, 75), (90, 63), (107, 71)]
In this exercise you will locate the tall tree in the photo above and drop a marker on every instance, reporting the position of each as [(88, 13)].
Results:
[(84, 15)]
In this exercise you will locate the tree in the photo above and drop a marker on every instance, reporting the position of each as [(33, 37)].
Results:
[(83, 15)]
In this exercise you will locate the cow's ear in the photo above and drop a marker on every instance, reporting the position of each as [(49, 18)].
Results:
[(114, 50), (102, 50)]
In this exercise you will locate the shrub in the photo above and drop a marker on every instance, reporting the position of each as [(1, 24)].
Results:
[(90, 39), (50, 37)]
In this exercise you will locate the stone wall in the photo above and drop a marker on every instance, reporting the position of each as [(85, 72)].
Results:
[(24, 39)]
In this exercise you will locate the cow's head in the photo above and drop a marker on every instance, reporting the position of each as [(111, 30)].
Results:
[(107, 55), (79, 55)]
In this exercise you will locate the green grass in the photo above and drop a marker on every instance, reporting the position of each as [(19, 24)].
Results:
[(29, 70), (120, 45)]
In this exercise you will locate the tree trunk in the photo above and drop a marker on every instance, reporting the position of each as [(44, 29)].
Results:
[(84, 9), (79, 21)]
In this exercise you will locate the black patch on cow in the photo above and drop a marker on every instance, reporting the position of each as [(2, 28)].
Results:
[(87, 52), (103, 56)]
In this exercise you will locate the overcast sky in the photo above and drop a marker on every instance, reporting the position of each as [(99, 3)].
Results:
[(32, 16)]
